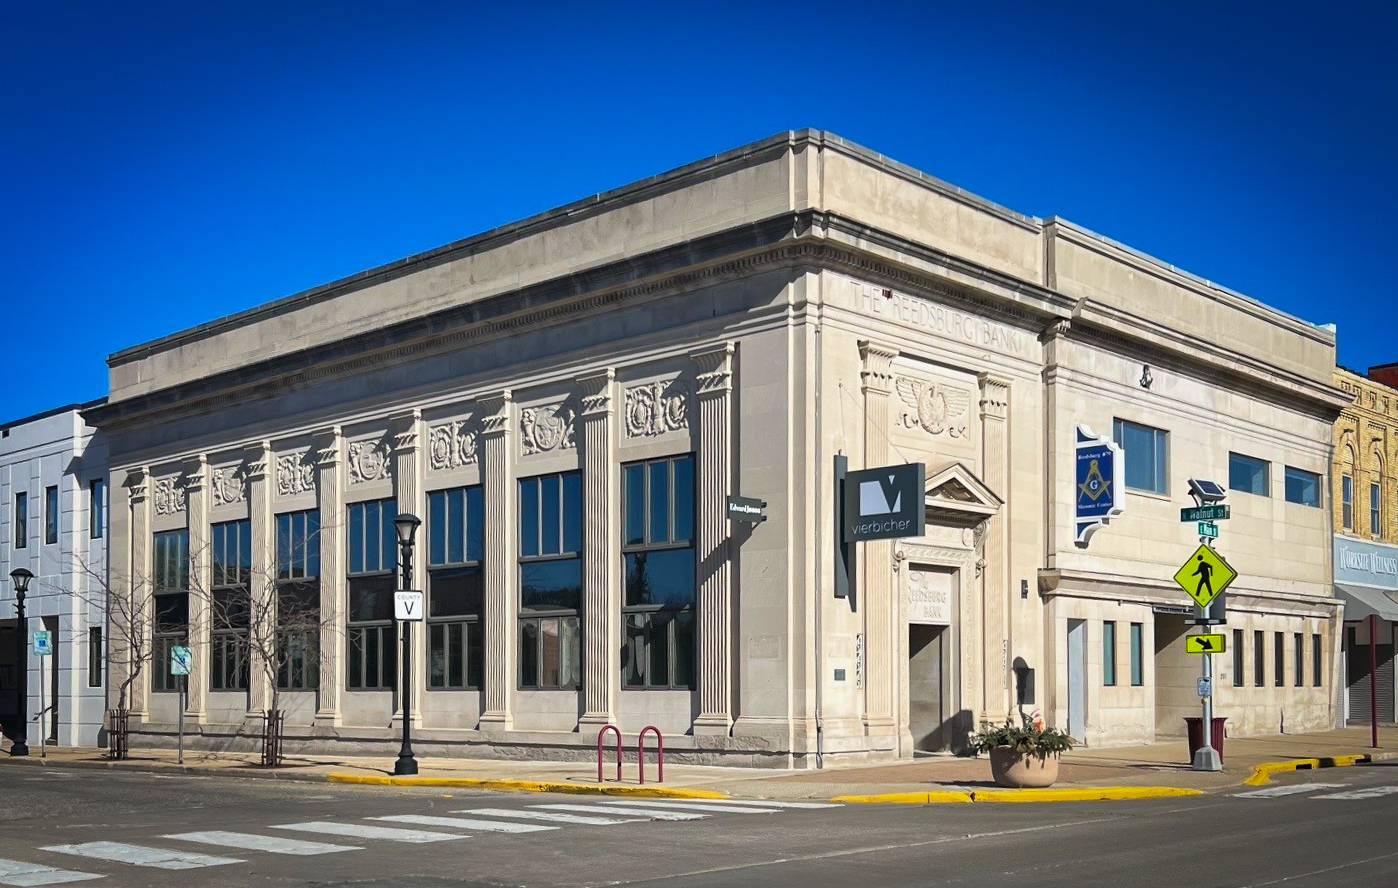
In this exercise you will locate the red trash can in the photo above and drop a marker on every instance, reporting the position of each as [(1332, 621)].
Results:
[(1194, 727)]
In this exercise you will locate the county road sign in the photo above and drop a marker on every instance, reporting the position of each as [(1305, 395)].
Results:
[(1205, 644), (1205, 575)]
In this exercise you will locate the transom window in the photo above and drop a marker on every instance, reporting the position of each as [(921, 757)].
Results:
[(550, 581), (658, 548), (372, 564), (1147, 455), (456, 588)]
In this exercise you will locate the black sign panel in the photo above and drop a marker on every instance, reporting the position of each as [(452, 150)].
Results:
[(745, 508), (885, 503)]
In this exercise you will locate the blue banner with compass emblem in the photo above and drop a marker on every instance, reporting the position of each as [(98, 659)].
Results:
[(1100, 469)]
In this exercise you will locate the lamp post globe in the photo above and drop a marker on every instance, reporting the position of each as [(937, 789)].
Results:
[(406, 526), (21, 577)]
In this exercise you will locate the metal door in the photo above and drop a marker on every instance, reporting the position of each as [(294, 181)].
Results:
[(1077, 679)]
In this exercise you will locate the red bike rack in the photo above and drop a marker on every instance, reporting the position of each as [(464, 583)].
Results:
[(600, 734), (659, 754)]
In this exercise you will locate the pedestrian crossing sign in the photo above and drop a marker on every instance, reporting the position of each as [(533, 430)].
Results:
[(1205, 575)]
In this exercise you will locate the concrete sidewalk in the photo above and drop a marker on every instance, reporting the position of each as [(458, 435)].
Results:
[(1162, 766)]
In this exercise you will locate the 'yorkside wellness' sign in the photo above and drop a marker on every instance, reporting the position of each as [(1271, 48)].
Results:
[(1097, 494), (885, 503)]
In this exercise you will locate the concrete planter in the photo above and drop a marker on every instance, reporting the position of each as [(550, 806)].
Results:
[(1023, 770)]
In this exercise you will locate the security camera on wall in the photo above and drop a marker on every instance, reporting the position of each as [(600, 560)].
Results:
[(1207, 491)]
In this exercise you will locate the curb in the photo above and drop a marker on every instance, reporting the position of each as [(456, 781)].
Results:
[(147, 767), (1086, 794), (1262, 774), (641, 792)]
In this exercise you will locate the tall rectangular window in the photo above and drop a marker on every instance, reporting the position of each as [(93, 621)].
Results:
[(1278, 659), (170, 556), (96, 508), (1237, 658), (1259, 659), (658, 548), (1375, 510), (1138, 655), (1317, 673), (550, 581), (50, 515), (95, 659), (455, 588), (298, 601), (230, 612), (373, 562), (1249, 475), (1303, 488), (1109, 653), (1147, 455), (1299, 648), (21, 528)]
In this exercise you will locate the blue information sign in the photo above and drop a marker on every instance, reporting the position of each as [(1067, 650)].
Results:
[(1097, 495)]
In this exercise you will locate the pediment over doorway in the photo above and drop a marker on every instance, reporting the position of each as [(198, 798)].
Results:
[(956, 497)]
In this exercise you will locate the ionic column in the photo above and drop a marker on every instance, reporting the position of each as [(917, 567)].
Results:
[(263, 630), (601, 601), (995, 625), (409, 498), (330, 499), (201, 584), (714, 394), (876, 597), (501, 568), (133, 607)]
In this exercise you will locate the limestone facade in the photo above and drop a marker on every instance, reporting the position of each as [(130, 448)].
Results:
[(730, 328)]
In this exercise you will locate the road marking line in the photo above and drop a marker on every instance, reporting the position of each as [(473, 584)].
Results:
[(550, 816), (722, 809), (1372, 792), (466, 823), (273, 844), (643, 813), (1275, 791), (758, 803), (364, 831), (17, 872), (142, 855)]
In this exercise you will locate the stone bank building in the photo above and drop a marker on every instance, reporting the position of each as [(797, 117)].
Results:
[(568, 401)]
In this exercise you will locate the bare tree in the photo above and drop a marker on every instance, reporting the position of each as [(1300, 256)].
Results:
[(129, 604)]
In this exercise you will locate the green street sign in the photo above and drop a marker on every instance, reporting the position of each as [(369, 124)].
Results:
[(1208, 530), (1204, 513)]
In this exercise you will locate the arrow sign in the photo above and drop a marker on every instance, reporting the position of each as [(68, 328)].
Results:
[(407, 606), (1205, 644)]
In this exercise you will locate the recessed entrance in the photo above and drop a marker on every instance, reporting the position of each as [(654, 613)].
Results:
[(927, 709)]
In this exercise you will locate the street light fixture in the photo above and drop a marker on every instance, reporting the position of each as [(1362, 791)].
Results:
[(406, 525), (21, 577)]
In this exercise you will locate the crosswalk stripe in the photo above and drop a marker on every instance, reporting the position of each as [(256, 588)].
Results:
[(466, 823), (17, 872), (142, 855), (1372, 792), (634, 812), (690, 806), (549, 816), (1275, 791), (252, 842), (365, 831), (763, 803)]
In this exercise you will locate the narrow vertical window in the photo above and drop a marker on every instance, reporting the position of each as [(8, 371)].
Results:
[(1237, 658), (455, 589), (230, 609), (658, 548), (94, 657), (1278, 659), (1299, 646), (1259, 659), (1347, 501), (21, 530), (1375, 510), (96, 508), (1317, 675), (170, 556), (550, 581), (297, 648), (1138, 656), (50, 515), (373, 562), (1109, 653)]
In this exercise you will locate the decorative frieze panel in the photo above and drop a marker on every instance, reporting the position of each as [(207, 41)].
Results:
[(229, 485), (169, 496), (656, 408), (550, 428), (368, 462), (296, 473), (936, 408), (452, 445), (929, 596)]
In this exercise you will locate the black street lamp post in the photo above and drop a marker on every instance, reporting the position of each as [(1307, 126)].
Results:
[(406, 525), (21, 578)]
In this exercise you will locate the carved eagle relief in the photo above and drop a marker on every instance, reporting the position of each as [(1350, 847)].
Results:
[(936, 408)]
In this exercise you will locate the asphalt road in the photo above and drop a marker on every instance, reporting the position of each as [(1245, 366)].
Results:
[(82, 826)]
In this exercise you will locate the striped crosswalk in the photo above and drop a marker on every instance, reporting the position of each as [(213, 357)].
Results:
[(1275, 792), (315, 837)]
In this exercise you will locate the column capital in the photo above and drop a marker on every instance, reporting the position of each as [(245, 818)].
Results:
[(877, 373), (595, 392), (195, 473), (404, 428), (138, 483), (326, 445), (257, 459), (495, 413), (715, 369), (995, 396)]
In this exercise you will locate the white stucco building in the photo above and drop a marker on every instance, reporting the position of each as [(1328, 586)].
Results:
[(567, 402), (53, 484)]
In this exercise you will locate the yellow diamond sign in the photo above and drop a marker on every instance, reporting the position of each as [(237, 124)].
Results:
[(1205, 575)]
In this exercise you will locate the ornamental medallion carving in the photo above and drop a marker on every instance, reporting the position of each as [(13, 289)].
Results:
[(295, 474), (453, 444), (229, 485), (656, 408), (933, 407), (548, 428), (368, 461), (169, 496)]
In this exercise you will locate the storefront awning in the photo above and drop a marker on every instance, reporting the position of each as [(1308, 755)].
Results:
[(1361, 601)]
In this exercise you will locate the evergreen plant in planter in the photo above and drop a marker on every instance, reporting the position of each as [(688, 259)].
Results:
[(1025, 756)]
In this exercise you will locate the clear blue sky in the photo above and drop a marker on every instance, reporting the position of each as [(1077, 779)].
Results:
[(163, 164)]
